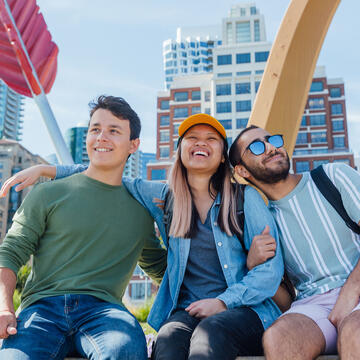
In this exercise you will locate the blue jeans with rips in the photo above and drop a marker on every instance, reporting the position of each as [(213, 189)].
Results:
[(55, 326)]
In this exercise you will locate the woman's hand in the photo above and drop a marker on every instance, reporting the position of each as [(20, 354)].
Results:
[(27, 177), (262, 248)]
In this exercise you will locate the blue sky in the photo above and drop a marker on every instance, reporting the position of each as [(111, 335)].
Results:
[(114, 47)]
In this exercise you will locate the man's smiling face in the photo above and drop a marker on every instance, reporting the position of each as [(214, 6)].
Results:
[(270, 167), (108, 140)]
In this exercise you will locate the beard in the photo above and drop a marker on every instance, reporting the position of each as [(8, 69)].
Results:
[(271, 176)]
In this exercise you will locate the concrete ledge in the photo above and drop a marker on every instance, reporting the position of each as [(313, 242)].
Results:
[(324, 357)]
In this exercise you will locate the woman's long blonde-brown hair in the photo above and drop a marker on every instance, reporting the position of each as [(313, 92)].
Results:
[(184, 216)]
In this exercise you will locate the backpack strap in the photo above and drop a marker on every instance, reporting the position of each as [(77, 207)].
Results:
[(333, 196), (240, 216), (168, 211)]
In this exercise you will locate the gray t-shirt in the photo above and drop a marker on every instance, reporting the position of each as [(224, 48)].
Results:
[(203, 275)]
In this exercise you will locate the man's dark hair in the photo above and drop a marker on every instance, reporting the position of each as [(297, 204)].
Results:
[(119, 108), (234, 153)]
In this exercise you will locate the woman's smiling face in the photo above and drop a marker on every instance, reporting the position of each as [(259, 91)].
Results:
[(202, 149)]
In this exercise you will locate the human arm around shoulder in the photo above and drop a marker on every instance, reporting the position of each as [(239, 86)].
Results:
[(153, 259), (151, 195), (262, 281), (27, 177), (32, 174)]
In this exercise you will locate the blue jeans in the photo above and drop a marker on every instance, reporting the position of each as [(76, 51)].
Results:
[(55, 326)]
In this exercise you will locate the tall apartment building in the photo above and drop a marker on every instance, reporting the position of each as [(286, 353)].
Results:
[(323, 135), (11, 109), (13, 158), (191, 52), (228, 93)]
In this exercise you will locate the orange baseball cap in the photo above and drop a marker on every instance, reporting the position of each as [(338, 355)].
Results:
[(201, 119)]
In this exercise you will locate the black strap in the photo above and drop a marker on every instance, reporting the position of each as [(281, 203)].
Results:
[(333, 196), (168, 211)]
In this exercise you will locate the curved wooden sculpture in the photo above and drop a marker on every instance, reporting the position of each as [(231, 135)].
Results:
[(283, 92)]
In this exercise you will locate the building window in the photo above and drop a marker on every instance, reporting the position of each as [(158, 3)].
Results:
[(316, 86), (224, 59), (318, 137), (138, 290), (302, 166), (316, 103), (195, 110), (242, 88), (164, 151), (207, 111), (336, 109), (207, 95), (196, 95), (181, 96), (229, 141), (319, 151), (338, 125), (257, 30), (164, 136), (345, 161), (261, 56), (176, 128), (223, 107), (303, 121), (339, 142), (241, 123), (221, 75), (181, 112), (164, 120), (229, 32), (164, 104), (317, 120), (253, 10), (227, 124), (257, 84), (317, 163), (335, 92), (243, 58), (301, 138), (158, 174), (243, 32), (223, 89), (243, 105)]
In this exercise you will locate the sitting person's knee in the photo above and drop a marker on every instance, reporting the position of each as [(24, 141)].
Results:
[(272, 338)]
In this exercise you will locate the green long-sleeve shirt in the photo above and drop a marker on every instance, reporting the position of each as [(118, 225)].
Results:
[(86, 238)]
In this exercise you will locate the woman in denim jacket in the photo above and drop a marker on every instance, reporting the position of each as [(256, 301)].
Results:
[(209, 305)]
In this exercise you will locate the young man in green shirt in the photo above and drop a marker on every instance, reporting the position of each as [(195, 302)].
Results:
[(86, 234)]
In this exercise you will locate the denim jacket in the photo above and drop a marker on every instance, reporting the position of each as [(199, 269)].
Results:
[(252, 288)]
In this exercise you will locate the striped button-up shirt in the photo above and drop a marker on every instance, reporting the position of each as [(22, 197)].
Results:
[(320, 251)]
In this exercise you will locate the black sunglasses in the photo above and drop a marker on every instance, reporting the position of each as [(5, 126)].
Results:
[(257, 147)]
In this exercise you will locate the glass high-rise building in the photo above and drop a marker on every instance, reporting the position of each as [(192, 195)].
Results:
[(11, 109), (75, 139)]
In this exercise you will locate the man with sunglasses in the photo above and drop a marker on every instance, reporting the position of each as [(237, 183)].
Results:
[(320, 252)]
